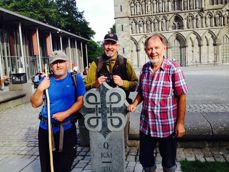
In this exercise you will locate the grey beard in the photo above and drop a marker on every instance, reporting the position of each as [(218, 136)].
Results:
[(154, 62)]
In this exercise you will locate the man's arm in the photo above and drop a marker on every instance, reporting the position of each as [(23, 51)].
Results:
[(180, 130), (133, 79), (132, 107), (37, 98), (61, 116)]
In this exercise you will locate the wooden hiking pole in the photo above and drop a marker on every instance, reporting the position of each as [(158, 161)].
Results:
[(49, 124)]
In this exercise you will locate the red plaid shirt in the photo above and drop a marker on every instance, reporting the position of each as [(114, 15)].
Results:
[(159, 93)]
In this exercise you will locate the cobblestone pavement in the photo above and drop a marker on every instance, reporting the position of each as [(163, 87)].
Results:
[(208, 108), (19, 146), (208, 92)]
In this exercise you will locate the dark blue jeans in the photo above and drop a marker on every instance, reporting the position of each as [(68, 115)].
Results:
[(167, 148)]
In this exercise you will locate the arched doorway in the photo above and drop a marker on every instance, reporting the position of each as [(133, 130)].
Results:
[(178, 50)]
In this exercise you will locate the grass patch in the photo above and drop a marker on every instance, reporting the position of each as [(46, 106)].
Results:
[(197, 166)]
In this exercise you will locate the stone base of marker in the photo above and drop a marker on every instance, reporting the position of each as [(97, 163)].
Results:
[(107, 154), (83, 133)]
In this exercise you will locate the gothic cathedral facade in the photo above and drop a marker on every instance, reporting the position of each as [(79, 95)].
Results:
[(196, 31)]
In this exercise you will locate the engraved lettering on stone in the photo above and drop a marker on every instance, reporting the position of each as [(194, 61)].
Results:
[(105, 145), (106, 169)]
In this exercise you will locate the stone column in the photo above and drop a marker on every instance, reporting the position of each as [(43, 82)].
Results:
[(86, 55), (39, 50), (204, 55), (70, 54), (1, 70), (138, 57), (76, 58), (7, 59), (132, 9), (105, 113), (185, 23), (169, 6), (82, 55), (188, 5), (217, 58), (203, 21), (200, 52), (202, 5), (225, 19), (22, 69), (61, 43), (159, 26), (154, 6)]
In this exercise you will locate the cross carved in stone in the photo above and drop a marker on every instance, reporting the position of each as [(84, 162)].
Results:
[(105, 109)]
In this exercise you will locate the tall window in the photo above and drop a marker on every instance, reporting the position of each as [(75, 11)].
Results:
[(176, 5), (225, 49), (178, 23), (177, 51)]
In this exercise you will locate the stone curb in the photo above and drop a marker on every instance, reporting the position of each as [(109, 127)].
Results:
[(199, 126)]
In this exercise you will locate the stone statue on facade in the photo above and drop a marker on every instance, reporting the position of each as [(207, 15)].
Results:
[(132, 9)]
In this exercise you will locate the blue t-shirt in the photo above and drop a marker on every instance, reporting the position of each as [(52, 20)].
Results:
[(62, 97)]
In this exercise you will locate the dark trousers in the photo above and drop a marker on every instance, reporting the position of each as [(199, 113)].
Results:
[(167, 148), (62, 160)]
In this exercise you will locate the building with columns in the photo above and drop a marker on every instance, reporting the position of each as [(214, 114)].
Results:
[(26, 44), (196, 31)]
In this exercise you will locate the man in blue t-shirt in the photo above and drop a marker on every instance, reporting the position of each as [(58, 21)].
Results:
[(65, 100)]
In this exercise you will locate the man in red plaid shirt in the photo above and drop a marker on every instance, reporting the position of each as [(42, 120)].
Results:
[(162, 89)]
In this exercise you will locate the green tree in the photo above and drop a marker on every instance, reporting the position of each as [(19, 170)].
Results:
[(42, 10), (113, 29), (63, 14), (59, 13), (94, 50), (73, 20)]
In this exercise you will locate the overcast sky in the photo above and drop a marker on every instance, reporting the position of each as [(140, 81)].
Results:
[(100, 15)]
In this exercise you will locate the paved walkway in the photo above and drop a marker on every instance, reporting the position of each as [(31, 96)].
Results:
[(208, 92), (19, 147)]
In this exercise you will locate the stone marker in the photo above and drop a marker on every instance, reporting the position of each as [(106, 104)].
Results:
[(105, 113)]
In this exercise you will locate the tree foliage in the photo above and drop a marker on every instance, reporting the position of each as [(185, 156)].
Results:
[(60, 13), (63, 14), (96, 50), (74, 20), (113, 29)]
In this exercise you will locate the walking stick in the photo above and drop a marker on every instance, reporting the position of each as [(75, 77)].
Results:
[(49, 125)]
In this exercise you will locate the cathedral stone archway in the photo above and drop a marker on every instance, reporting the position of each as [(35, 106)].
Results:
[(178, 48)]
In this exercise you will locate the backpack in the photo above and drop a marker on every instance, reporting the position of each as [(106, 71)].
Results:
[(77, 115), (119, 68)]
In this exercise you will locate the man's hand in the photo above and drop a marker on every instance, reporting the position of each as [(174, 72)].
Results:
[(180, 130), (100, 81), (118, 80), (60, 116), (131, 108), (44, 84)]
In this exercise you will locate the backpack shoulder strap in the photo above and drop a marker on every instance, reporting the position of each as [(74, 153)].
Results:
[(99, 63), (74, 78), (122, 62)]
